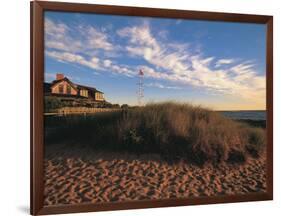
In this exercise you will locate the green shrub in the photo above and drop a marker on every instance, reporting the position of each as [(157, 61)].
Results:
[(51, 103)]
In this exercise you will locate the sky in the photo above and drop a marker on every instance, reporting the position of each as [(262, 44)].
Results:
[(219, 65)]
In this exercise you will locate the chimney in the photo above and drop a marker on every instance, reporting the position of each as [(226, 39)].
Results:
[(59, 76)]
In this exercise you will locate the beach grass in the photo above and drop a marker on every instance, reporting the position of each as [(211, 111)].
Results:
[(175, 131)]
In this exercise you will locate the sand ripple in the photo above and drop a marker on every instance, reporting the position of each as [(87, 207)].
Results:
[(71, 180)]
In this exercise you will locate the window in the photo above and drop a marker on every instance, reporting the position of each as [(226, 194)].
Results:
[(68, 89), (99, 96), (84, 93), (61, 89)]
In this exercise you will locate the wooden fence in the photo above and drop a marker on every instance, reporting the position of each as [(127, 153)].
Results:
[(81, 110)]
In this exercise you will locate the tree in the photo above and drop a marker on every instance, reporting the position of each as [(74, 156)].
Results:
[(125, 106), (115, 106)]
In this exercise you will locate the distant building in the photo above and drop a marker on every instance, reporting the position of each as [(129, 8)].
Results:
[(62, 86)]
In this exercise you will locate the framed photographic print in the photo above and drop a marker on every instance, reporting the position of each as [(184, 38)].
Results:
[(140, 107)]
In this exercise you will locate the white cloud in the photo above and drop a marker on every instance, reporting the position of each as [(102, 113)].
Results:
[(221, 62), (93, 63), (107, 63), (74, 58), (57, 37), (76, 39), (143, 44), (57, 30), (81, 45), (98, 40), (161, 86), (178, 63), (245, 67), (140, 36)]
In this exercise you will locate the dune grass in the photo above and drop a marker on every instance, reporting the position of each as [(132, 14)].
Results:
[(176, 131)]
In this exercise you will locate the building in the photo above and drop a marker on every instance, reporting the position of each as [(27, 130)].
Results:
[(62, 86)]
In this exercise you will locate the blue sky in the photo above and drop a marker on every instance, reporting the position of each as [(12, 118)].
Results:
[(220, 65)]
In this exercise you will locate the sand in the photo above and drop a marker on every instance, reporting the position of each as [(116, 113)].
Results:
[(82, 175)]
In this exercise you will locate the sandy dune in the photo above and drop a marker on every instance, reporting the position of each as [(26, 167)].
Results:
[(109, 177)]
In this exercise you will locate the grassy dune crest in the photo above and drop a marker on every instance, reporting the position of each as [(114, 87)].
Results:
[(193, 133), (176, 131)]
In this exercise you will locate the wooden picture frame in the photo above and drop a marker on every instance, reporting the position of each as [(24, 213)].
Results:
[(37, 79)]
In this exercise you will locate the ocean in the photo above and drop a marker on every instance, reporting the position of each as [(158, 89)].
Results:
[(245, 115)]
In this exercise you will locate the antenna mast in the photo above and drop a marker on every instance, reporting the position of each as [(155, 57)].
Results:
[(140, 88)]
